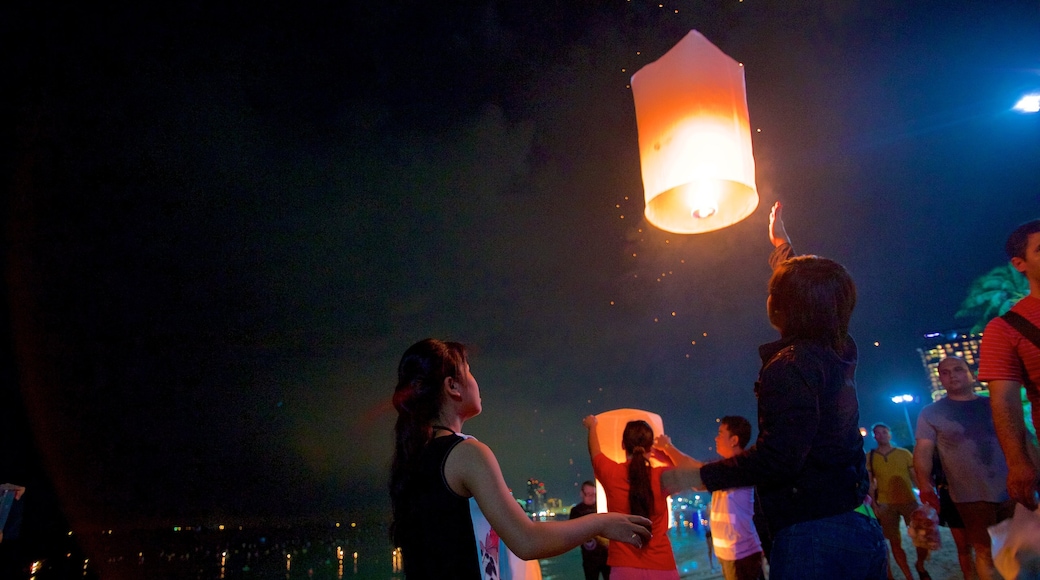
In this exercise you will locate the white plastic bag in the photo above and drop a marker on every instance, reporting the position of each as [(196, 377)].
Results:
[(924, 528), (1016, 545)]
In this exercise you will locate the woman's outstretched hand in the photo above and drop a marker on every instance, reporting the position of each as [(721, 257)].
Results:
[(777, 233), (626, 528), (662, 442), (663, 446), (589, 421)]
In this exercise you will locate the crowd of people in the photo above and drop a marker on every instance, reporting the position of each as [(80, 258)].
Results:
[(805, 497)]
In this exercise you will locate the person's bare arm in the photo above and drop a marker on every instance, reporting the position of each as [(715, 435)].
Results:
[(777, 232), (681, 479), (912, 472), (923, 455), (590, 422), (782, 249), (472, 470), (679, 459), (1023, 482)]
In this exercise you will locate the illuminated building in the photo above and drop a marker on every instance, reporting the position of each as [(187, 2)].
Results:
[(535, 496), (939, 345)]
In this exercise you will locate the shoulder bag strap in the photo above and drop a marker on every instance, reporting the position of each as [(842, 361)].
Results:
[(1023, 326)]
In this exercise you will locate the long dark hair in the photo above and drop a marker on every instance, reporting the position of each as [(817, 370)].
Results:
[(815, 297), (637, 439), (417, 398)]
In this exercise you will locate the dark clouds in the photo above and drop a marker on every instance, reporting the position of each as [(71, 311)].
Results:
[(227, 222)]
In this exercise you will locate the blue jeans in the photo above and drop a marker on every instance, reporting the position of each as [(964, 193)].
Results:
[(849, 546)]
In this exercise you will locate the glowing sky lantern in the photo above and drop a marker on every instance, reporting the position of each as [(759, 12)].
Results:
[(694, 139), (609, 427)]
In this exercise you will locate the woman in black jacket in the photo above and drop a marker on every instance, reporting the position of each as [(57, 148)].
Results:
[(807, 464)]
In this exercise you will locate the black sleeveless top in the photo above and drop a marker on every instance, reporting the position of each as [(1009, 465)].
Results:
[(438, 541)]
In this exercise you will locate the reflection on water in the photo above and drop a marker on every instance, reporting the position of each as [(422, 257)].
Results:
[(360, 551), (320, 552)]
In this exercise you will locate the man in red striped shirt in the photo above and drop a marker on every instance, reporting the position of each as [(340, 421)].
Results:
[(1008, 362)]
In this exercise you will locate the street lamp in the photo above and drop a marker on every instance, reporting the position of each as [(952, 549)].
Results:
[(1029, 104), (904, 401)]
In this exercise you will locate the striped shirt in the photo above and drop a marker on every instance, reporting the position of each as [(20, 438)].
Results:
[(1009, 356)]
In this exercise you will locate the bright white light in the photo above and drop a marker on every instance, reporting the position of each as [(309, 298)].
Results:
[(1029, 104), (703, 199), (903, 399)]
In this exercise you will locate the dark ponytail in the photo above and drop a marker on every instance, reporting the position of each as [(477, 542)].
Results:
[(637, 439), (417, 399)]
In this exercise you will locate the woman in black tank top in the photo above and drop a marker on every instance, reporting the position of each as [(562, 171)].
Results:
[(435, 471)]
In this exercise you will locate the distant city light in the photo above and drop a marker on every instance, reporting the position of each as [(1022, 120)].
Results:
[(906, 399), (1029, 104)]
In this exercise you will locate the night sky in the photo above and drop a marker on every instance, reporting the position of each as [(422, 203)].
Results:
[(224, 224)]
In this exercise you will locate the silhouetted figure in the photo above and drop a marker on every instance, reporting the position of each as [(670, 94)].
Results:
[(594, 551)]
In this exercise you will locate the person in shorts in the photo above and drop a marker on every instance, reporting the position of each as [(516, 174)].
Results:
[(960, 426), (892, 481), (948, 517)]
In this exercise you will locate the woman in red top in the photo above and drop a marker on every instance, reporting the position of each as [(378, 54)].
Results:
[(634, 487)]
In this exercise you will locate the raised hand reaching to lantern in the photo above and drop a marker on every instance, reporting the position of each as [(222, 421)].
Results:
[(782, 248), (777, 232)]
